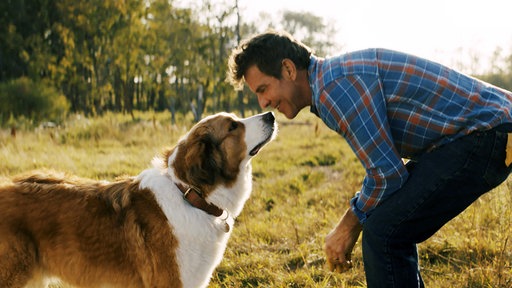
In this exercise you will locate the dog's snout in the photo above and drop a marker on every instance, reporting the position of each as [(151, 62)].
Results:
[(269, 118)]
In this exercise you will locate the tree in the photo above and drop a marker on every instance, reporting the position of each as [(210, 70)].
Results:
[(29, 48), (36, 101)]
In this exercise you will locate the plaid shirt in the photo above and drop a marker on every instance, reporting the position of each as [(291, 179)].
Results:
[(390, 105)]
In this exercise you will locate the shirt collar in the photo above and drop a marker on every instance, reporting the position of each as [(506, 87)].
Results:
[(312, 71)]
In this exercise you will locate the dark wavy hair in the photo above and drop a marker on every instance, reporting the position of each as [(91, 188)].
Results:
[(267, 51)]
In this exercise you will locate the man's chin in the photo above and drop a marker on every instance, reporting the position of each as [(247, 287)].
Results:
[(290, 114)]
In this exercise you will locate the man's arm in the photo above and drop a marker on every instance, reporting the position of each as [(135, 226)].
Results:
[(355, 107)]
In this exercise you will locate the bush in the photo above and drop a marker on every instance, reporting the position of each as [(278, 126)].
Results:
[(23, 98)]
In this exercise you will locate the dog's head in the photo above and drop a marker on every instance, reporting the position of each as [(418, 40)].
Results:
[(217, 147)]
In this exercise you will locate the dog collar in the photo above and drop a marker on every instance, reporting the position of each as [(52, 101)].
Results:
[(195, 198)]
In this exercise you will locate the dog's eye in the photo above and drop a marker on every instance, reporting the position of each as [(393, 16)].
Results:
[(233, 126)]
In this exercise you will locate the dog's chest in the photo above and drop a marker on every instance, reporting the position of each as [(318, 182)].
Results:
[(201, 237), (199, 251)]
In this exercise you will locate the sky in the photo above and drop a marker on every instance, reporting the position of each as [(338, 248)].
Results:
[(446, 31)]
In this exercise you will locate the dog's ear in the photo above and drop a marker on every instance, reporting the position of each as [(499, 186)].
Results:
[(166, 154), (202, 160)]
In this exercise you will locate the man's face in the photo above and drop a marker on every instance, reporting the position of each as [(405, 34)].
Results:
[(281, 94)]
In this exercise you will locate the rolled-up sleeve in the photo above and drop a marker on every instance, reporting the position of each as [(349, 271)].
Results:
[(355, 107)]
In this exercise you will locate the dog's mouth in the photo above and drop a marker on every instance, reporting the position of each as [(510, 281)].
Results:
[(269, 129), (258, 147)]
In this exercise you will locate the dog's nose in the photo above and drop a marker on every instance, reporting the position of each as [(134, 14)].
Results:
[(269, 118)]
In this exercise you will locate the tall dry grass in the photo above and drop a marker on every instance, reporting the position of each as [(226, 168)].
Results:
[(302, 184)]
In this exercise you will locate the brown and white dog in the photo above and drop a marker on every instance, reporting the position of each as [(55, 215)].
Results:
[(166, 227)]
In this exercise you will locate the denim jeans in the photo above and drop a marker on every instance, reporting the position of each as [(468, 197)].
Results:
[(442, 183)]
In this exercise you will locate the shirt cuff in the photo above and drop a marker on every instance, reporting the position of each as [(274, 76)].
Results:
[(360, 214)]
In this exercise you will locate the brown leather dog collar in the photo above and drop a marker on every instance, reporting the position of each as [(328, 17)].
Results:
[(195, 198)]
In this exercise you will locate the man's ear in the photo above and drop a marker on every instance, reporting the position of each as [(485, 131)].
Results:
[(288, 69)]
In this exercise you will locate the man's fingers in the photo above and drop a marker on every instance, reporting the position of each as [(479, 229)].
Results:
[(339, 266), (330, 265), (344, 267)]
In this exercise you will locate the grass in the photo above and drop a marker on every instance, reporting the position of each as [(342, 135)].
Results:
[(302, 184)]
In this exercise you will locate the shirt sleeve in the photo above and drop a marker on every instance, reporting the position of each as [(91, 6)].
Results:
[(355, 107)]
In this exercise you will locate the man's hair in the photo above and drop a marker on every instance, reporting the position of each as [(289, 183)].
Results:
[(267, 51)]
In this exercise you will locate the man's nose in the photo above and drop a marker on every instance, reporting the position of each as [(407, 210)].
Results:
[(264, 103)]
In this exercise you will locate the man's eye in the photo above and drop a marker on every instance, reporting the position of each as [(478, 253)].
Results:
[(233, 126)]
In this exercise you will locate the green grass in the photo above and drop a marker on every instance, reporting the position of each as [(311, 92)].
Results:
[(302, 184)]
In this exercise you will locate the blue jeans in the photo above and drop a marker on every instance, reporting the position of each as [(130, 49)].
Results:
[(442, 183)]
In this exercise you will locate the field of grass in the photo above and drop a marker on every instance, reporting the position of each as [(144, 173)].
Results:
[(302, 184)]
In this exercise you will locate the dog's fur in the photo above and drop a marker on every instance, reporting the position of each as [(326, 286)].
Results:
[(135, 232)]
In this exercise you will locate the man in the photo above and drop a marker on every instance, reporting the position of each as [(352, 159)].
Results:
[(388, 106)]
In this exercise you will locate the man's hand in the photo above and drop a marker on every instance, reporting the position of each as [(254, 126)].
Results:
[(340, 242)]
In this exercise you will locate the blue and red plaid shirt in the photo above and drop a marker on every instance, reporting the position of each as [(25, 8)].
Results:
[(390, 105)]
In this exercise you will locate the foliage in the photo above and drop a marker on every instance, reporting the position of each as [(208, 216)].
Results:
[(302, 184), (312, 30), (500, 71), (109, 55), (35, 101)]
